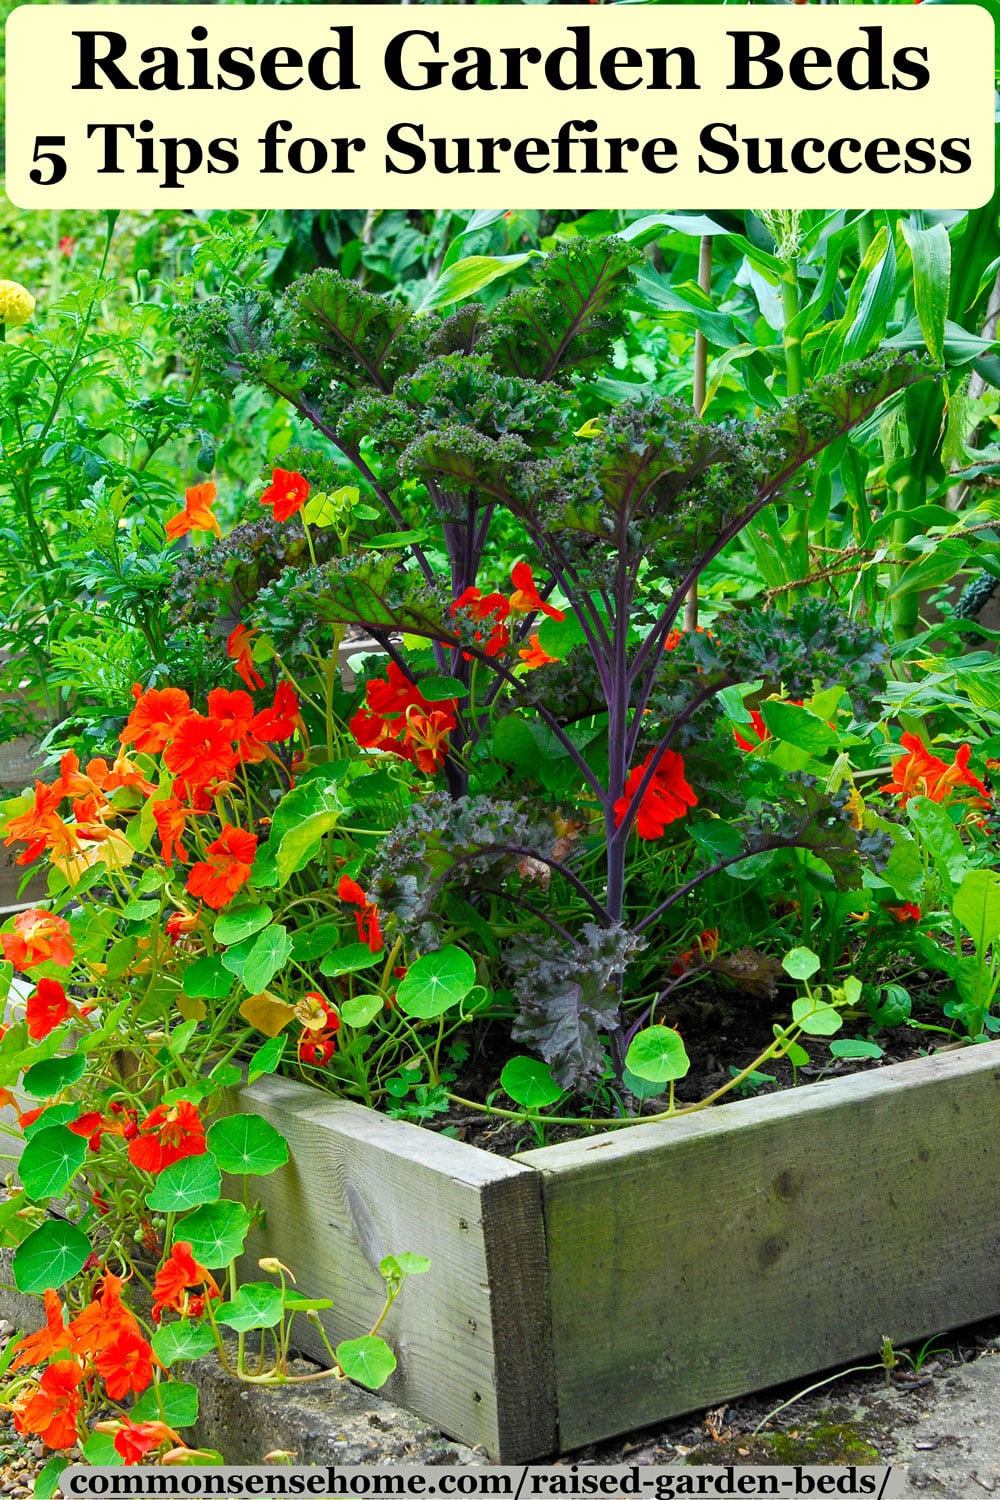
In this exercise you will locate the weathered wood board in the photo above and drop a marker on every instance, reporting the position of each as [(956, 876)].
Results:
[(472, 1335), (694, 1261)]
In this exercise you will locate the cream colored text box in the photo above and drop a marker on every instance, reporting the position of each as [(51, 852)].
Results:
[(309, 106)]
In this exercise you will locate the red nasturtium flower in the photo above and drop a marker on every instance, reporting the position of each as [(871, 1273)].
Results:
[(178, 1274), (227, 868), (39, 937), (367, 914), (47, 1007), (239, 649), (908, 912), (534, 654), (50, 1409), (706, 946), (168, 1133), (200, 751), (390, 705), (197, 513), (154, 719), (133, 1440), (482, 607), (919, 773), (526, 599), (666, 798), (170, 817), (757, 728), (125, 1364), (287, 493)]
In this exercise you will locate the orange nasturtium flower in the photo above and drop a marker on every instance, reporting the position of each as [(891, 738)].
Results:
[(239, 649), (39, 937), (197, 513), (227, 867), (168, 1133), (526, 599), (666, 798), (367, 914), (535, 655), (287, 493), (125, 1364), (35, 1348), (200, 751), (154, 719), (50, 1409), (919, 773), (178, 1274)]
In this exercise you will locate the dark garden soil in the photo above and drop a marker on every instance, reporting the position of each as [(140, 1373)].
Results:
[(724, 1031)]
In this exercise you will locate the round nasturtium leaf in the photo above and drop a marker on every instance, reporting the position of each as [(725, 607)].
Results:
[(362, 1009), (436, 982), (177, 1341), (815, 1017), (259, 1304), (50, 1256), (216, 1232), (657, 1054), (368, 1360), (50, 1161), (48, 1078), (800, 963), (247, 1145), (529, 1081), (185, 1184)]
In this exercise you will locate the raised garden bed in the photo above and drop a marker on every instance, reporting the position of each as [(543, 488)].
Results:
[(585, 1289)]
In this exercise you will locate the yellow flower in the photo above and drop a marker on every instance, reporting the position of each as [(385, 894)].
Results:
[(16, 304)]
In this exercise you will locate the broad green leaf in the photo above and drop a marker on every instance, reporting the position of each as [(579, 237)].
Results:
[(440, 689), (931, 252), (851, 1046), (977, 907), (349, 959), (269, 954), (47, 1479), (436, 982), (185, 1184), (797, 726), (56, 1114), (50, 1256), (815, 1017), (50, 1161), (368, 1360), (403, 1264), (296, 1303), (99, 1450), (240, 922), (800, 963), (657, 1054), (529, 1081), (247, 1144), (206, 979), (172, 1401), (48, 1078), (940, 837), (216, 1232), (259, 1304), (302, 843), (181, 1036), (361, 1010), (177, 1341), (466, 277), (266, 1058)]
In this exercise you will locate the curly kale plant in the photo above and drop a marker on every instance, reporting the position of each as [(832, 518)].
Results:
[(449, 424)]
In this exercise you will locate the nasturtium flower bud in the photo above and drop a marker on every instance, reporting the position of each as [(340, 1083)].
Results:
[(16, 304)]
